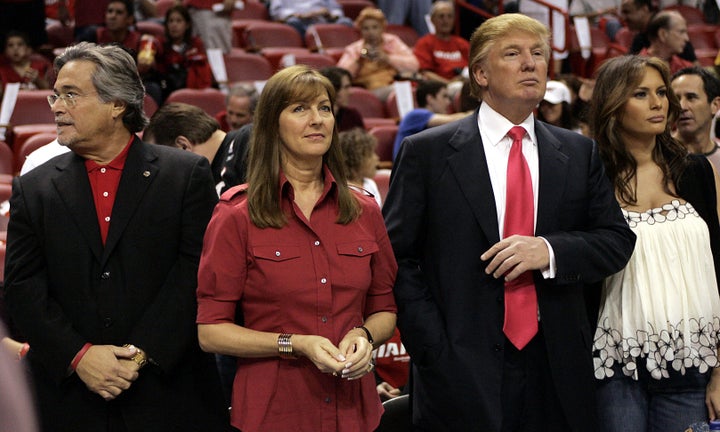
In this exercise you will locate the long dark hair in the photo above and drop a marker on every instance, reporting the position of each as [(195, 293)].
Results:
[(183, 11), (616, 80)]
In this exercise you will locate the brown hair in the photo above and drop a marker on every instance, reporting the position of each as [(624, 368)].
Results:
[(370, 13), (175, 119), (292, 84), (357, 145), (607, 107)]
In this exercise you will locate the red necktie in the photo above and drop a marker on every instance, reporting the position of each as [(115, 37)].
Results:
[(521, 319)]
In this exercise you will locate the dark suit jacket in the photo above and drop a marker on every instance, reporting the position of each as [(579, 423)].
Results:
[(63, 288), (440, 214)]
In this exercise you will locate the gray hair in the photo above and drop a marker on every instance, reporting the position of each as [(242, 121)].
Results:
[(244, 90), (116, 78)]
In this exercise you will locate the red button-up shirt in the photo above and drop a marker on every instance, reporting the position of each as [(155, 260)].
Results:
[(104, 182), (309, 277)]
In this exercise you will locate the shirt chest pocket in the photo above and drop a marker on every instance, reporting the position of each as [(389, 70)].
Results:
[(280, 268), (355, 262)]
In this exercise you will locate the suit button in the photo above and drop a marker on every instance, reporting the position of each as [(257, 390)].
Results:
[(107, 322), (105, 275), (499, 299), (498, 347)]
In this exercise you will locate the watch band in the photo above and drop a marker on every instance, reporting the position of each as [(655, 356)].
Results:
[(367, 333)]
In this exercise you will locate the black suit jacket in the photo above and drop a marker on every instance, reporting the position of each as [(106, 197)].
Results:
[(440, 214), (63, 288)]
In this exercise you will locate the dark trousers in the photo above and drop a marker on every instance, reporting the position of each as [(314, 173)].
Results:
[(529, 400)]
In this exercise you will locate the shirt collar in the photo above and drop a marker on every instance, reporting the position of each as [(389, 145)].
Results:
[(117, 164), (498, 126), (329, 185)]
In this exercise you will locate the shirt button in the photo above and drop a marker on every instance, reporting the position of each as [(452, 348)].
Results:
[(323, 280), (105, 194), (360, 249), (327, 400), (105, 275), (107, 218), (317, 243), (323, 319), (499, 299), (277, 253), (107, 322), (102, 170)]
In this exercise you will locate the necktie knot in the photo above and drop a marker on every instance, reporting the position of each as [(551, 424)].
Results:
[(516, 133)]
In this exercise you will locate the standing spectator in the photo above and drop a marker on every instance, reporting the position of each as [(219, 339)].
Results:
[(668, 35), (480, 356), (402, 11), (240, 105), (308, 263), (213, 27), (102, 252), (181, 61), (378, 57), (20, 67), (656, 344), (443, 56), (433, 103), (301, 14), (361, 160), (698, 91), (346, 117)]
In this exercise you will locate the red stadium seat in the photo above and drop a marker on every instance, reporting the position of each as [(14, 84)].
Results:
[(247, 67), (382, 178), (366, 102), (30, 145), (32, 107), (211, 100), (261, 34), (151, 27), (352, 8), (406, 33), (330, 39), (386, 140), (7, 163), (691, 14)]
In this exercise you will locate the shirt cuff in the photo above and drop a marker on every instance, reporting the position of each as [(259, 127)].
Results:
[(550, 271)]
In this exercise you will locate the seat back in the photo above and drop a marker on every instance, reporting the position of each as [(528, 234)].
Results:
[(385, 136), (59, 36), (382, 179), (366, 102), (151, 27), (352, 8), (260, 34), (324, 36), (691, 14), (247, 67), (30, 145), (252, 9), (7, 162), (408, 34), (211, 100), (32, 107)]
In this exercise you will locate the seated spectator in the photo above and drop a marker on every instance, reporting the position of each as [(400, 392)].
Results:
[(555, 108), (239, 107), (361, 161), (443, 56), (433, 103), (346, 117), (378, 57), (180, 61), (392, 367), (119, 19), (668, 35), (19, 67), (190, 128), (301, 14)]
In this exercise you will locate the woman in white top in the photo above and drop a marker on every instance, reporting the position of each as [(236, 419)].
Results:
[(655, 347)]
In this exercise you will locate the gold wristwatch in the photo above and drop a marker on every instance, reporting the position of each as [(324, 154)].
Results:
[(139, 356)]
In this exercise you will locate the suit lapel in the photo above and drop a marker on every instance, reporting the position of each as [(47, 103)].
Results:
[(553, 172), (74, 189), (469, 166), (137, 176)]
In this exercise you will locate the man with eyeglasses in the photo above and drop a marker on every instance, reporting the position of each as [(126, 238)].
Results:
[(102, 252)]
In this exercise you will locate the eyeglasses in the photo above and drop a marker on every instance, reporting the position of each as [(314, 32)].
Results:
[(69, 99)]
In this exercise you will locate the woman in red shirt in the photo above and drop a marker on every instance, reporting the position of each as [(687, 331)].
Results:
[(307, 263)]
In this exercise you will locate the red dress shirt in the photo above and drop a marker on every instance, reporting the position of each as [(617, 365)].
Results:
[(104, 182), (309, 277)]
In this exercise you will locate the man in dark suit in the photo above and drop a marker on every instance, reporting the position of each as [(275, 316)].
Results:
[(102, 255), (458, 266)]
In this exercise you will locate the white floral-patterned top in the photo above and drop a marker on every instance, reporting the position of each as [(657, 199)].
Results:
[(664, 305)]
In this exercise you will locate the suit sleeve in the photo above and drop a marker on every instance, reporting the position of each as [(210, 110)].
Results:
[(419, 318), (27, 293), (167, 330), (605, 243)]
